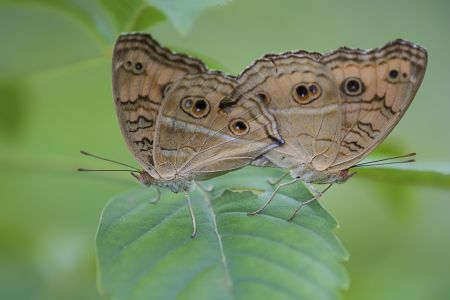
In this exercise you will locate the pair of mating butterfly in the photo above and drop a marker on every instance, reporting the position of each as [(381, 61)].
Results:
[(312, 114)]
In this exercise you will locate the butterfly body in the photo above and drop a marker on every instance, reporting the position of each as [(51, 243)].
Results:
[(308, 174), (176, 185)]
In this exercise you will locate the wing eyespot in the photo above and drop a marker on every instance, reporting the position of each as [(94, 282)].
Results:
[(264, 97), (393, 76), (186, 104), (352, 86), (239, 127), (306, 92), (134, 67), (165, 89), (138, 68), (196, 108)]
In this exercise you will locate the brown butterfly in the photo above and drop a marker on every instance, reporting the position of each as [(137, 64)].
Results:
[(333, 109), (172, 118)]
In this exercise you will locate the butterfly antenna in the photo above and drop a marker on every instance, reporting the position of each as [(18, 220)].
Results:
[(379, 162), (386, 161), (109, 160), (105, 170)]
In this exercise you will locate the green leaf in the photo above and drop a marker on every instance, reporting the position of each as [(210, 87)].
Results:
[(87, 12), (132, 15), (135, 15), (148, 17), (145, 250), (182, 13)]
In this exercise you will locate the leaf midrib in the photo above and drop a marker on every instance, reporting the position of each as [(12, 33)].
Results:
[(223, 259)]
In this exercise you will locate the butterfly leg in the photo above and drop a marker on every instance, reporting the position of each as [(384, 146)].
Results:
[(157, 198), (278, 180), (191, 211), (208, 188), (317, 194), (271, 197)]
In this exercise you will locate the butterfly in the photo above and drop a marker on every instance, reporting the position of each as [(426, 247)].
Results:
[(173, 118), (331, 109)]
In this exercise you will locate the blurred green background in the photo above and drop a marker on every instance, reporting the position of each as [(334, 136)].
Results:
[(55, 99)]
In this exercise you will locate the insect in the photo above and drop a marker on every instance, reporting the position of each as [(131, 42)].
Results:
[(332, 109), (315, 115)]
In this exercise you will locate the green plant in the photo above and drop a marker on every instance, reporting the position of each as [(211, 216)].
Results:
[(145, 249)]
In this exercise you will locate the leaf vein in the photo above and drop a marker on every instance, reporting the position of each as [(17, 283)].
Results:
[(148, 231)]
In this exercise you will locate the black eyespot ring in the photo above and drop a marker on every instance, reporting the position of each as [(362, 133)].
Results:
[(302, 91), (263, 97), (393, 74), (313, 89), (239, 127), (352, 86), (138, 66), (200, 106), (306, 92)]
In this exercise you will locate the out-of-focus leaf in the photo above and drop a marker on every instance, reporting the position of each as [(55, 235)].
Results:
[(88, 12), (27, 52), (183, 13), (149, 17), (145, 250), (135, 15), (132, 15), (430, 174), (12, 105)]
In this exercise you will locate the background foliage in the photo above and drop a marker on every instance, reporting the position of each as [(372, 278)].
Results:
[(55, 98)]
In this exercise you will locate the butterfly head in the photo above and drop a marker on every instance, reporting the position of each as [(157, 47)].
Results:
[(343, 175), (143, 177), (176, 185), (338, 177)]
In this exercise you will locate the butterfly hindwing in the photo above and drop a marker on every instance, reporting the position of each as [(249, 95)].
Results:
[(201, 135), (377, 86), (302, 96)]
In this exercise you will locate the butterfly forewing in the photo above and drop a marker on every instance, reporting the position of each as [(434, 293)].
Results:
[(143, 72)]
